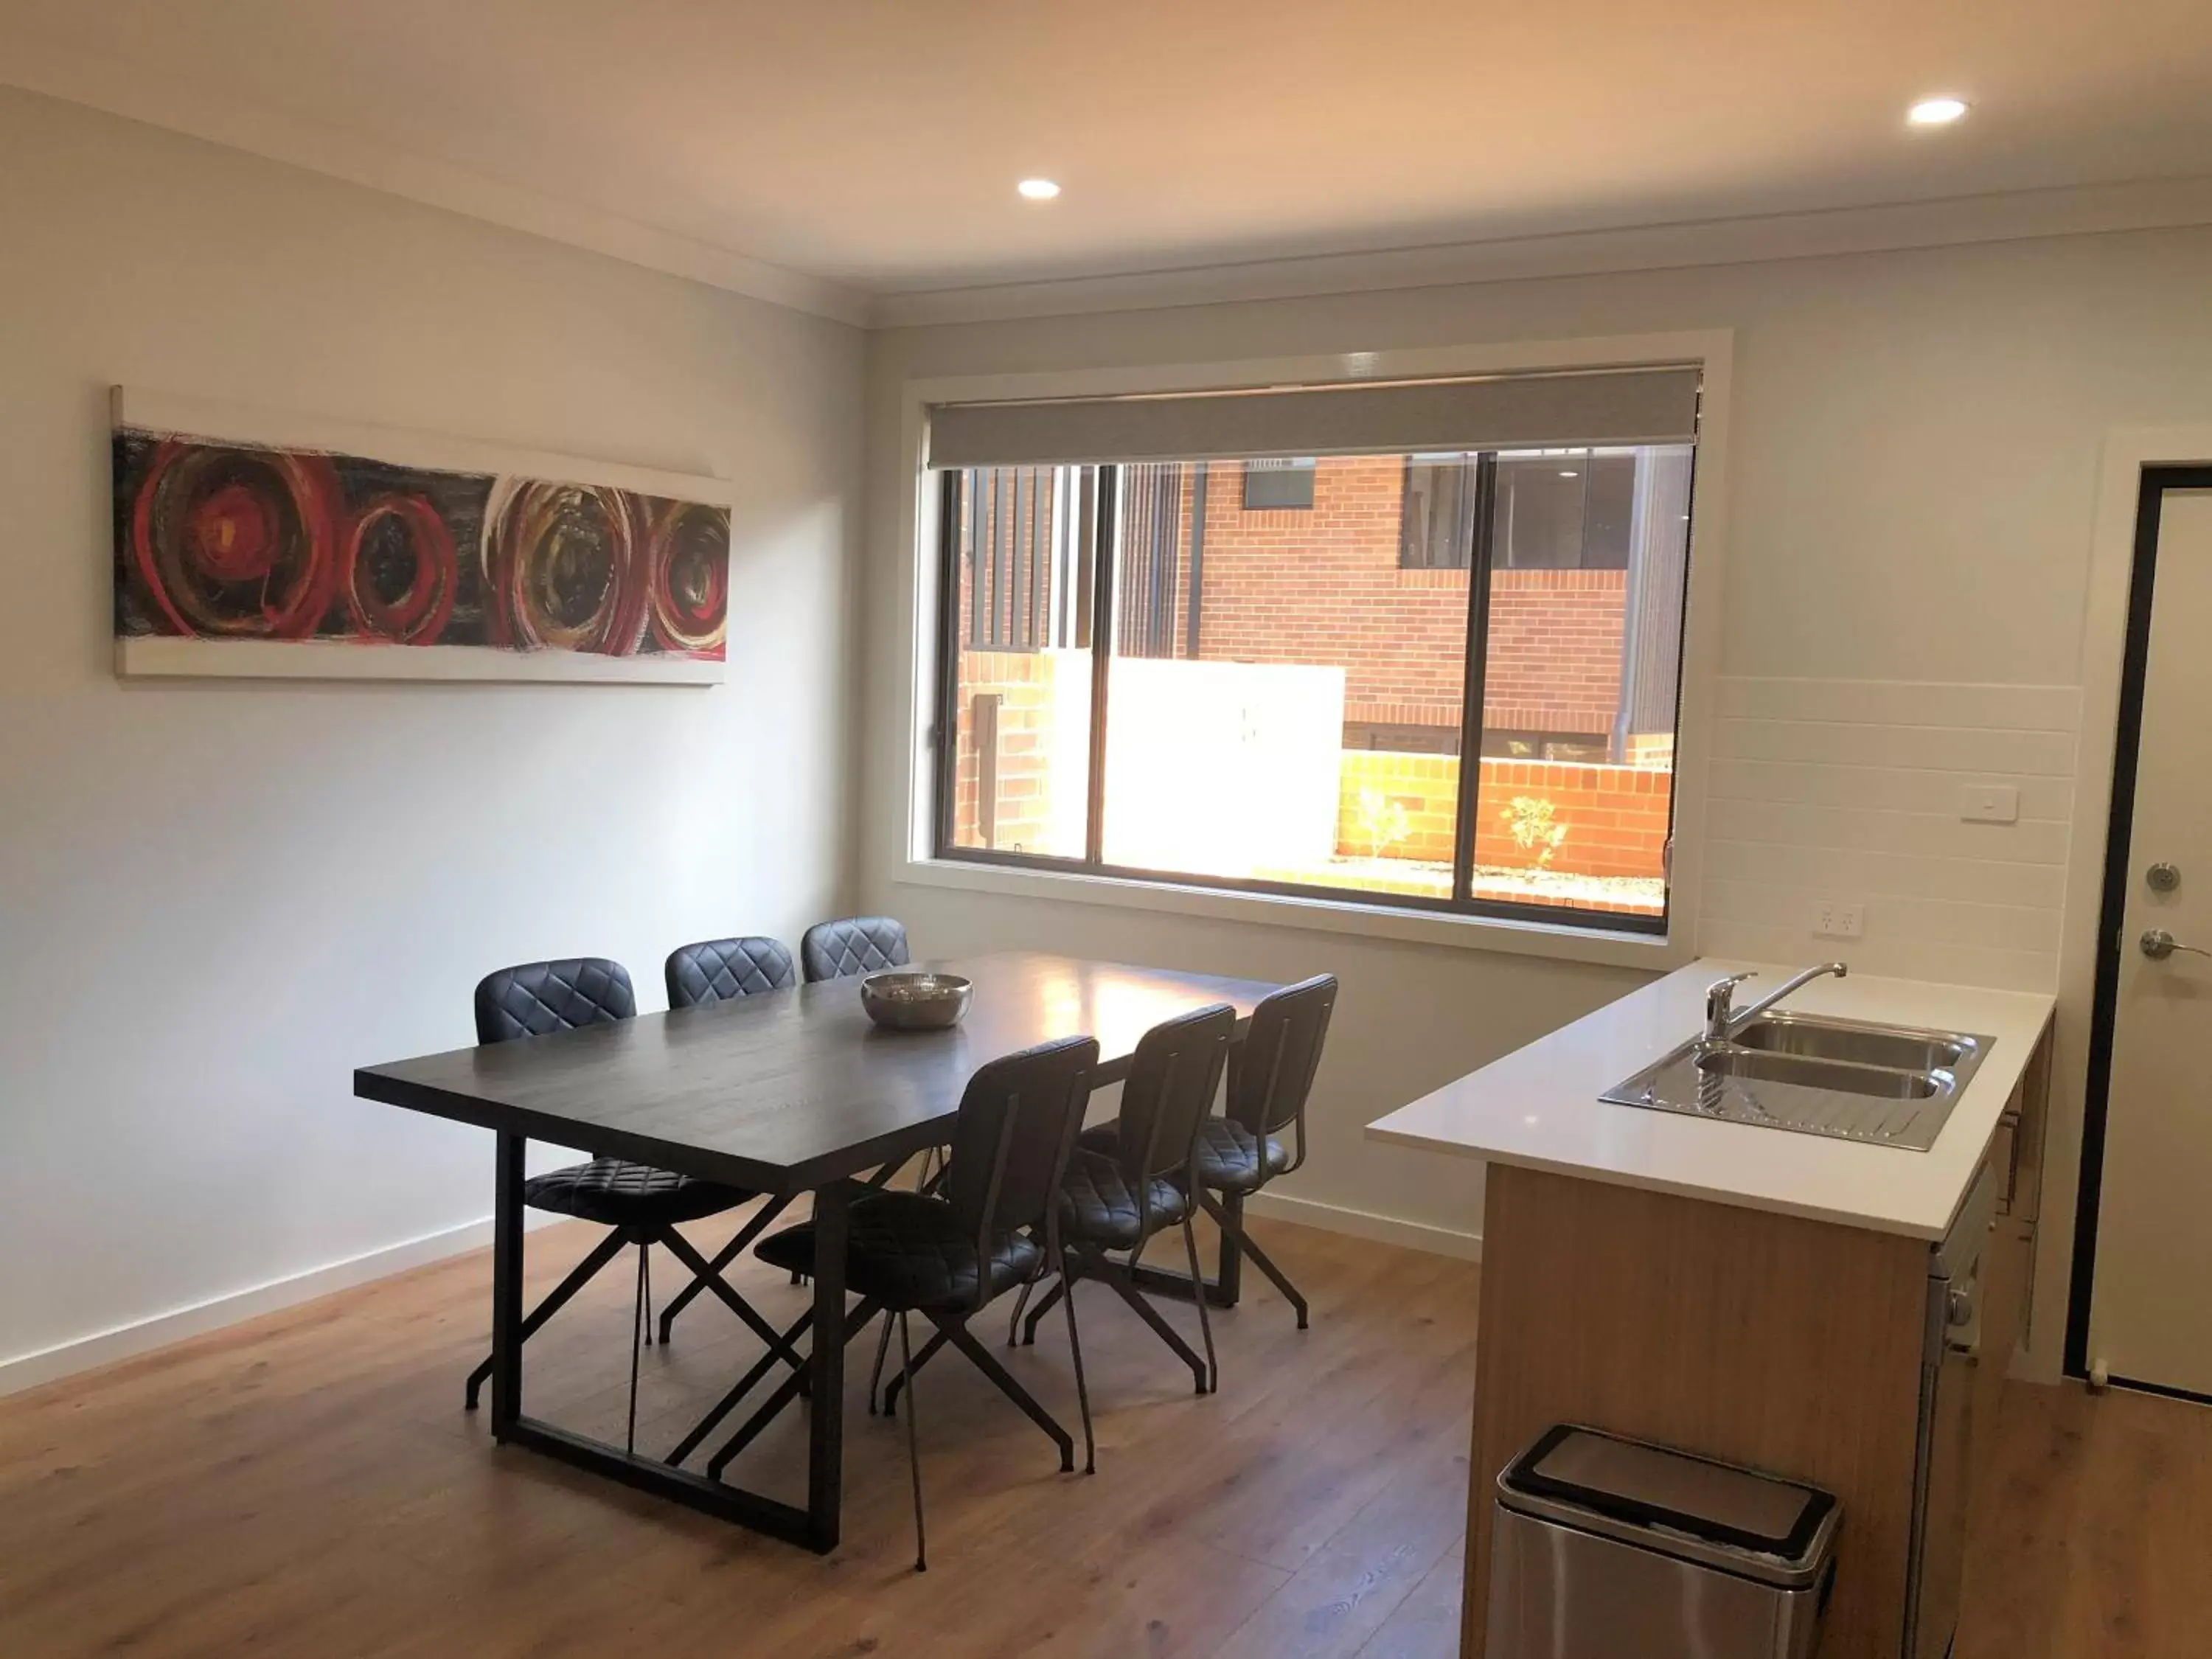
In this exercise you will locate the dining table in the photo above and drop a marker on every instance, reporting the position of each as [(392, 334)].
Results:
[(783, 1093)]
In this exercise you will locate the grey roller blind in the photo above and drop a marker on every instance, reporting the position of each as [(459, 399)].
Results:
[(1649, 404)]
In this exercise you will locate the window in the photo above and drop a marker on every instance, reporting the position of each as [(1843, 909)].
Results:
[(1142, 677), (1272, 485)]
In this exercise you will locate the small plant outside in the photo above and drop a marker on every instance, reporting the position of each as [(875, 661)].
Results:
[(1383, 823), (1535, 825)]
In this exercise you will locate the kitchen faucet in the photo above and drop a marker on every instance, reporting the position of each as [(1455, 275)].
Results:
[(1720, 1017)]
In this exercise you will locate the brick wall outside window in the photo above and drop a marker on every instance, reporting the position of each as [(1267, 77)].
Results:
[(1324, 585)]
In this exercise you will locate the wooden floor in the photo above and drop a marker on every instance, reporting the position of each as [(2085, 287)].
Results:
[(306, 1484)]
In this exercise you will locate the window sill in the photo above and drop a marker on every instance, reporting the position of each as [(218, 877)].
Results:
[(1651, 952)]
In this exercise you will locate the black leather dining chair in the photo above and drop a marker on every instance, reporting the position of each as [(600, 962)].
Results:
[(992, 1225), (717, 969), (1271, 1076), (698, 976), (857, 944), (1134, 1177), (637, 1203)]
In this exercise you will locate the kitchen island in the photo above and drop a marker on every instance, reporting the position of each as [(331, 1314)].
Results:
[(1753, 1294)]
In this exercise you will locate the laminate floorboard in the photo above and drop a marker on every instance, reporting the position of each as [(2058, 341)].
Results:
[(307, 1483)]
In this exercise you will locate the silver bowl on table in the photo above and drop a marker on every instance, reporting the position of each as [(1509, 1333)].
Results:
[(912, 999)]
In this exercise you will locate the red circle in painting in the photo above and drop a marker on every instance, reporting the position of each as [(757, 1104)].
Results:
[(689, 552), (423, 563), (561, 568), (233, 534), (235, 543)]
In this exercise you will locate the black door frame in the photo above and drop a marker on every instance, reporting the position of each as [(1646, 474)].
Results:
[(2151, 497)]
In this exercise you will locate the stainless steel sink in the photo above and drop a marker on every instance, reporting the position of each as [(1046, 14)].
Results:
[(1866, 1045), (1892, 1085)]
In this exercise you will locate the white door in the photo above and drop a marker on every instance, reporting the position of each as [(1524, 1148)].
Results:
[(2150, 1315)]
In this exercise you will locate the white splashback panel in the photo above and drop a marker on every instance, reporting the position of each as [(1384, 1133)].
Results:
[(1850, 790)]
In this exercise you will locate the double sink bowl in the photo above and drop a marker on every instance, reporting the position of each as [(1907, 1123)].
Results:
[(1892, 1085)]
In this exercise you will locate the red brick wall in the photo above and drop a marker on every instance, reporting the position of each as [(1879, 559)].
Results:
[(1023, 683), (1555, 646), (1324, 586)]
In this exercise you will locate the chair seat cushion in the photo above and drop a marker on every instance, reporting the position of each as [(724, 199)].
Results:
[(615, 1192), (909, 1250), (1098, 1205), (1229, 1155)]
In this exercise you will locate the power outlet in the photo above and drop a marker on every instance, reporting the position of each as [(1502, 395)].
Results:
[(1832, 919)]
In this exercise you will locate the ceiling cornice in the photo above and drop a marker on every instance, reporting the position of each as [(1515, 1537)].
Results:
[(139, 94), (2013, 216), (142, 95)]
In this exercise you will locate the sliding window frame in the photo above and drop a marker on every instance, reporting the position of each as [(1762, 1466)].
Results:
[(1104, 532)]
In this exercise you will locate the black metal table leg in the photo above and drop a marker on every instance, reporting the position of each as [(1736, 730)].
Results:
[(507, 1285), (826, 1446), (1229, 1273)]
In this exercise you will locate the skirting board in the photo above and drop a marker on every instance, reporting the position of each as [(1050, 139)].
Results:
[(126, 1341), (1359, 1224), (142, 1336)]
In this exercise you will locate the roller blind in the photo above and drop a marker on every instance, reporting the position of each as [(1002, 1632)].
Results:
[(1657, 404)]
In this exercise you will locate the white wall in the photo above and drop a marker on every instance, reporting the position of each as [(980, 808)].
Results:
[(1913, 458), (217, 899)]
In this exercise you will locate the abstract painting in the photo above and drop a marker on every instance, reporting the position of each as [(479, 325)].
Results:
[(257, 544)]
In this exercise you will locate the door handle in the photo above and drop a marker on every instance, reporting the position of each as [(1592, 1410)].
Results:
[(2158, 945)]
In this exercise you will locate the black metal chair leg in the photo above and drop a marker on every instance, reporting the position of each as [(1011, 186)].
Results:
[(1126, 1287), (639, 1318), (645, 1296), (1036, 1314), (1259, 1259), (876, 1376), (1082, 1392), (723, 1257), (703, 1273), (981, 1358), (581, 1275), (928, 1353), (912, 1445), (1198, 1295), (1014, 1324)]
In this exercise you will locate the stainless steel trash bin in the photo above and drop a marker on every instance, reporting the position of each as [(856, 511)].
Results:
[(1609, 1548)]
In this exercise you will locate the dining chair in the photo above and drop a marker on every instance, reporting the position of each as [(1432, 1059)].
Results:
[(1271, 1076), (857, 944), (637, 1203), (716, 970), (699, 975), (994, 1225), (1134, 1177)]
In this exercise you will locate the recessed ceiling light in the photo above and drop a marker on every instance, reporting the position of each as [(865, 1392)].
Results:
[(1935, 112), (1568, 473), (1038, 190)]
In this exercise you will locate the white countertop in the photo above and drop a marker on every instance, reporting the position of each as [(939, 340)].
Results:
[(1538, 1106)]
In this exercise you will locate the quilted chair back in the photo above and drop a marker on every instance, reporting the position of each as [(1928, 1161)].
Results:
[(1170, 1088), (542, 997), (716, 970), (1018, 1120), (857, 945), (1272, 1071)]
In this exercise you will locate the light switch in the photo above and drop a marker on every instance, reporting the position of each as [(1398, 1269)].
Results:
[(1989, 803)]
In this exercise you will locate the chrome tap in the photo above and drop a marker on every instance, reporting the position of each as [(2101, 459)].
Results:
[(1720, 1017)]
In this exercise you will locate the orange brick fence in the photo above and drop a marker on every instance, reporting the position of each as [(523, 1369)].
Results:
[(1615, 816)]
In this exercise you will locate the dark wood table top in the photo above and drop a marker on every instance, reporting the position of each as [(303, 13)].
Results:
[(782, 1091)]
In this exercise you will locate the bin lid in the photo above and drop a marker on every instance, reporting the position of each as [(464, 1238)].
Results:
[(1773, 1529)]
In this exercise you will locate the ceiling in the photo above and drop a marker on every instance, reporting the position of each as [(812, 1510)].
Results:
[(875, 143)]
